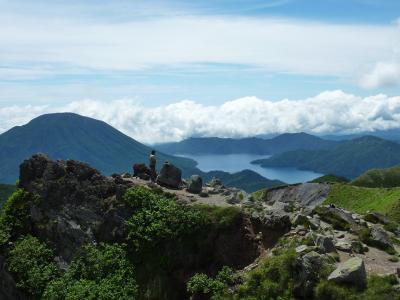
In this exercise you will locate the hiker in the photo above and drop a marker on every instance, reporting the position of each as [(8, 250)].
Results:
[(152, 164)]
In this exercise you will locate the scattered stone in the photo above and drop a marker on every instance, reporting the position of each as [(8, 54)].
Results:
[(170, 176), (358, 247), (375, 217), (141, 171), (351, 271), (302, 249), (203, 194), (195, 184), (325, 243), (343, 246), (380, 238), (215, 182), (339, 218)]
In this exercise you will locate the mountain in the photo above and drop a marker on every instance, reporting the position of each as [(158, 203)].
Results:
[(389, 134), (387, 178), (213, 145), (247, 180), (348, 159), (71, 136)]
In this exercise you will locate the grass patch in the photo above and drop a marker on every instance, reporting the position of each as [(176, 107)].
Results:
[(362, 199)]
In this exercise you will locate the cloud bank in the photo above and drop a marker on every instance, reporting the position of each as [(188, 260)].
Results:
[(328, 112)]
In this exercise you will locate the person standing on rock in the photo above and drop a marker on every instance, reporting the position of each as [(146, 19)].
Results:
[(152, 164)]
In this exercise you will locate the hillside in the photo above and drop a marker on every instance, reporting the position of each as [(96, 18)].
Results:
[(5, 191), (348, 159), (70, 233), (389, 177), (278, 144), (362, 200), (71, 136), (247, 180)]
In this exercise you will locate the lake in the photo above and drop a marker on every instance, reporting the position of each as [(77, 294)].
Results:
[(237, 162)]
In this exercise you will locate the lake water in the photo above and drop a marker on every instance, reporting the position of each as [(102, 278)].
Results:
[(237, 162)]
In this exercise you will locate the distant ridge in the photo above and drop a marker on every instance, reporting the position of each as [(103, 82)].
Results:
[(348, 159), (214, 145)]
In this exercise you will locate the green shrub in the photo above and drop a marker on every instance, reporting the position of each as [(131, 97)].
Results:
[(222, 217), (157, 219), (201, 284), (381, 287), (274, 279), (327, 290), (15, 216), (32, 263), (102, 272)]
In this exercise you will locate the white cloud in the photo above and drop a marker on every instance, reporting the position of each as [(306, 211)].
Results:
[(328, 112), (382, 75), (278, 45)]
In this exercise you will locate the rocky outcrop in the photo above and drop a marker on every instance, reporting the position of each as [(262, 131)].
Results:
[(141, 171), (380, 238), (170, 176), (195, 184), (305, 194), (78, 205), (351, 271)]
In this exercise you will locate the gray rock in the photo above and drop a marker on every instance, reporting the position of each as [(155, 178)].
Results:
[(343, 246), (375, 217), (339, 218), (325, 243), (380, 238), (351, 271), (358, 247), (303, 249), (195, 184), (170, 176)]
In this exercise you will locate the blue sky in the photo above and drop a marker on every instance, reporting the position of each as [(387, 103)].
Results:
[(158, 53)]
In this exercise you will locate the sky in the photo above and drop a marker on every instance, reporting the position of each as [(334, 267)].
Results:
[(166, 70)]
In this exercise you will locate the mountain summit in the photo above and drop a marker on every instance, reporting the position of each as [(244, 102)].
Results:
[(71, 136)]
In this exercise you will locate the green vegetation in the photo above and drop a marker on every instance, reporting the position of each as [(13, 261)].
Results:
[(6, 191), (32, 264), (15, 215), (377, 287), (361, 200), (103, 272), (201, 284), (349, 159), (386, 178), (330, 178)]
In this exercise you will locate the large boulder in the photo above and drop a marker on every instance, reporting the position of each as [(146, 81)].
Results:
[(8, 288), (375, 217), (337, 217), (325, 243), (195, 184), (170, 176), (380, 238), (351, 272), (141, 171)]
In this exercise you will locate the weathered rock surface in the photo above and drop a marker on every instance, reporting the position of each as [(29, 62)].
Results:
[(195, 184), (170, 176), (305, 194), (351, 271), (141, 171), (339, 218), (325, 243), (380, 238), (375, 217)]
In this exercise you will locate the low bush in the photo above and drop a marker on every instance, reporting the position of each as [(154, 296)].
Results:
[(102, 272), (32, 263)]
